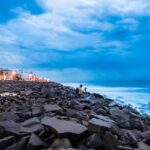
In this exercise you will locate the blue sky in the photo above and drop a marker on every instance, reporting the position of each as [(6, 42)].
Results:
[(77, 40)]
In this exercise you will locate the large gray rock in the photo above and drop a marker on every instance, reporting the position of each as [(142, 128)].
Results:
[(110, 141), (10, 127), (30, 122), (143, 146), (124, 148), (146, 135), (6, 142), (5, 116), (35, 143), (128, 138), (61, 127), (94, 141), (60, 144), (104, 118), (51, 108), (99, 126), (27, 92), (31, 125), (137, 123), (21, 145), (36, 111), (122, 118)]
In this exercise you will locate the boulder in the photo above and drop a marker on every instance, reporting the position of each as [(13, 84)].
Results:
[(30, 122), (110, 141), (6, 116), (31, 125), (101, 111), (128, 138), (27, 92), (143, 146), (104, 118), (124, 148), (146, 135), (99, 126), (51, 108), (94, 141), (60, 144), (137, 123), (120, 117), (36, 111), (63, 127), (21, 145), (9, 127), (35, 143), (6, 142)]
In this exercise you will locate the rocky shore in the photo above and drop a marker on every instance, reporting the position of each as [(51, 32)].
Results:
[(50, 116)]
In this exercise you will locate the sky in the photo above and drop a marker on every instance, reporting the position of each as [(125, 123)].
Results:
[(77, 40)]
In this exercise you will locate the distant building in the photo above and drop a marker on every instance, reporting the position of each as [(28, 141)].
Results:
[(5, 74)]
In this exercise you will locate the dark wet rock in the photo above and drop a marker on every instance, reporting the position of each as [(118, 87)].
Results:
[(7, 141), (60, 144), (51, 108), (31, 125), (94, 141), (101, 111), (9, 127), (21, 145), (124, 148), (5, 116), (146, 136), (74, 113), (128, 138), (27, 92), (120, 117), (35, 143), (137, 134), (63, 127), (110, 141), (31, 122), (36, 111), (137, 123), (143, 146), (104, 118), (99, 125)]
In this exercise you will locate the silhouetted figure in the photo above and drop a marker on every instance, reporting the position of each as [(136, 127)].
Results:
[(85, 89), (79, 90)]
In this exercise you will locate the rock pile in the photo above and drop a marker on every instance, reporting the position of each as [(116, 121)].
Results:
[(50, 116)]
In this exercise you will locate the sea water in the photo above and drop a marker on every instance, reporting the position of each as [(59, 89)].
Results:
[(133, 93)]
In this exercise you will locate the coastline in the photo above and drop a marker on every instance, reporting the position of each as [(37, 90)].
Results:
[(135, 96), (51, 116)]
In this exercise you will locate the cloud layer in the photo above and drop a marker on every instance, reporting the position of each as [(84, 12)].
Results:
[(91, 40)]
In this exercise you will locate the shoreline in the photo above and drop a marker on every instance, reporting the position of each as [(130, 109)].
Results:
[(51, 116), (136, 97)]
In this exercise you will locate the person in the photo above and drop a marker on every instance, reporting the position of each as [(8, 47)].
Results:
[(85, 89), (79, 90)]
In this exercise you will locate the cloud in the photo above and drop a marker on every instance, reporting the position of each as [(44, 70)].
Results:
[(117, 7), (90, 38), (9, 59)]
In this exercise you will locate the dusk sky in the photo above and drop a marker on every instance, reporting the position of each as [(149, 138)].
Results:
[(76, 40)]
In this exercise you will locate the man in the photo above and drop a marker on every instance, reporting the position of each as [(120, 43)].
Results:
[(79, 90)]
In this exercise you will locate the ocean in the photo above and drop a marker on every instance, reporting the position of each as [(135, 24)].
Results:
[(133, 93)]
